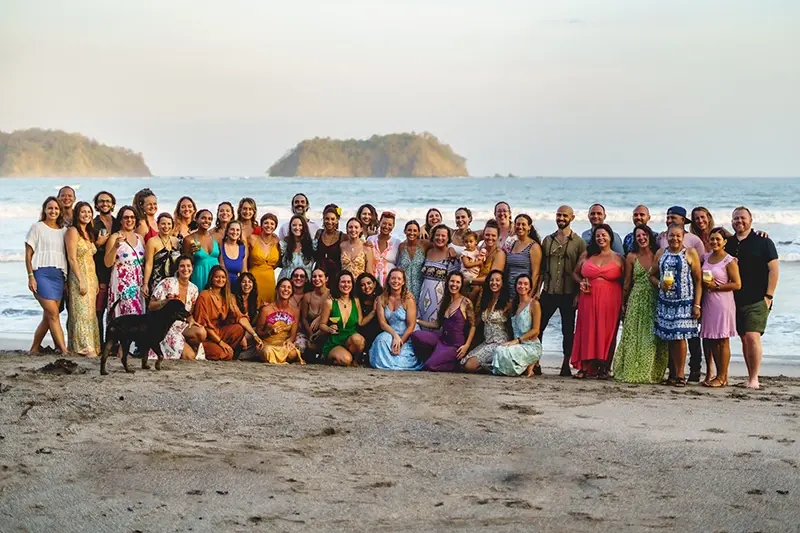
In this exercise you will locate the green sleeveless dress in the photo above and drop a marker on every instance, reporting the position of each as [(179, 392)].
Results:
[(345, 330)]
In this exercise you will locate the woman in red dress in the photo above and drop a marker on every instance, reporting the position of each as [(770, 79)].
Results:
[(599, 274)]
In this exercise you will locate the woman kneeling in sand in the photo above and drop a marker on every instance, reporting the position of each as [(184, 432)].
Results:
[(340, 317), (277, 325)]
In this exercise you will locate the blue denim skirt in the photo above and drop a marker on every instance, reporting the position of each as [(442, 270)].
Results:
[(49, 283)]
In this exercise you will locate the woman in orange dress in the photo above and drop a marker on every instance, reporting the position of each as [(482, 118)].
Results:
[(225, 324), (264, 255), (599, 275)]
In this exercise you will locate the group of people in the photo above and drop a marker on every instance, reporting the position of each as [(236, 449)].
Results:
[(443, 299)]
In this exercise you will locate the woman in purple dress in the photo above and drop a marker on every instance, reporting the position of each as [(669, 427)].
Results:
[(455, 316), (718, 318)]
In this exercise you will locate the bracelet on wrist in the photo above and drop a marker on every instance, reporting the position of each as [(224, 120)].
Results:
[(30, 274)]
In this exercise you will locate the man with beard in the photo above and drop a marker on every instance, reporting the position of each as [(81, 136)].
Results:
[(560, 253), (597, 216), (104, 226), (66, 198), (758, 267), (300, 207), (641, 216)]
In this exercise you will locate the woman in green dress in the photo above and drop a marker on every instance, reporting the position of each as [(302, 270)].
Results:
[(641, 357), (339, 319)]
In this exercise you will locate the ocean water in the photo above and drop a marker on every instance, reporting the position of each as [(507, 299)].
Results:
[(775, 204)]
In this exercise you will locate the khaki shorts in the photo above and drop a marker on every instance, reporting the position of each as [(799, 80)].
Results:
[(752, 317)]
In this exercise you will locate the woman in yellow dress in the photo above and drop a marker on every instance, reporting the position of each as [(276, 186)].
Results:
[(277, 325), (83, 332), (264, 256)]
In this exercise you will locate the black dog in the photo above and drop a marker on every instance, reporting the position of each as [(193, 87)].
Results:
[(147, 331)]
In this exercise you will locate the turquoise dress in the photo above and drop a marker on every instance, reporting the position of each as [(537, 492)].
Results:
[(203, 263), (513, 360), (412, 266), (381, 356)]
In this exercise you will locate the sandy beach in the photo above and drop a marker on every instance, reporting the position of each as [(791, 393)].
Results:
[(249, 447)]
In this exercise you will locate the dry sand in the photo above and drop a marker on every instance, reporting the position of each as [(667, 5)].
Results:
[(249, 447)]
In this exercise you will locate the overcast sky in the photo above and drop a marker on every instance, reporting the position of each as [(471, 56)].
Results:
[(533, 87)]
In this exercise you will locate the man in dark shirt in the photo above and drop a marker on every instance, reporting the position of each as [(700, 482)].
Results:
[(560, 253), (104, 225), (758, 267)]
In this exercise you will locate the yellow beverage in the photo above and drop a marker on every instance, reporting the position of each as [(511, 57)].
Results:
[(708, 277), (669, 279)]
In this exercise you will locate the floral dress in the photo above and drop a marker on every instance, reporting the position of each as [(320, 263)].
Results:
[(278, 349), (495, 335), (641, 357), (127, 276), (82, 329), (172, 345), (384, 260), (293, 260)]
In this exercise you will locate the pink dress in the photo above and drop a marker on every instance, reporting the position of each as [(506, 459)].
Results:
[(127, 276), (718, 317), (598, 314)]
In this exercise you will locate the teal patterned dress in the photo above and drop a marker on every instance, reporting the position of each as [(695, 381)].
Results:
[(641, 357)]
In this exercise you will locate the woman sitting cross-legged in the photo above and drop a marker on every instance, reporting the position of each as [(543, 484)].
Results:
[(456, 316), (494, 310), (277, 325), (340, 317), (397, 315), (225, 324), (519, 355), (184, 340)]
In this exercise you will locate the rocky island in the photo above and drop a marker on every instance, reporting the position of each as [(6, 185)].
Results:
[(394, 155), (37, 153)]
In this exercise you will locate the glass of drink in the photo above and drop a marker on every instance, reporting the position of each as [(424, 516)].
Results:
[(103, 232), (708, 277), (669, 279), (334, 320), (195, 245)]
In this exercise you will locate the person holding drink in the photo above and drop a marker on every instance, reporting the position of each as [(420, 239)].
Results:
[(676, 273), (599, 276), (339, 319), (718, 319)]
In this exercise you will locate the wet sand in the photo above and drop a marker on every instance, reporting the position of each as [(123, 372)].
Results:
[(250, 447)]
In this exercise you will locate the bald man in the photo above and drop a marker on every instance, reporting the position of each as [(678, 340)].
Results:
[(597, 216), (560, 253), (641, 215)]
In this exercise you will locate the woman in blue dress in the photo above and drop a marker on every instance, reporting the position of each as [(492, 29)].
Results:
[(233, 252), (397, 315), (676, 272)]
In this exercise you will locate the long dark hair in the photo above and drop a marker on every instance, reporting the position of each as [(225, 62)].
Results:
[(335, 293), (359, 293), (251, 305), (447, 299), (76, 211), (515, 302), (652, 244), (306, 245), (426, 226), (486, 292), (43, 215), (373, 223), (217, 222), (593, 248), (533, 234), (121, 212), (306, 285)]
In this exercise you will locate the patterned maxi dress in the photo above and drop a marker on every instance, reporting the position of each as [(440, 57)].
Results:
[(641, 357), (127, 277), (434, 274), (385, 260), (674, 310), (278, 349), (494, 335), (82, 330), (515, 359), (164, 266), (412, 266)]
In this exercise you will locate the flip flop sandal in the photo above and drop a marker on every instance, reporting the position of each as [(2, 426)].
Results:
[(679, 382)]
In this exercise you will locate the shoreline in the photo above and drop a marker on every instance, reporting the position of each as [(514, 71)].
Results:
[(254, 447)]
